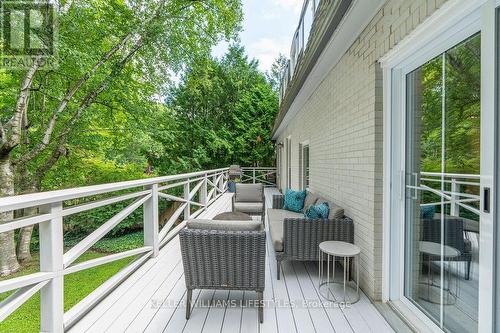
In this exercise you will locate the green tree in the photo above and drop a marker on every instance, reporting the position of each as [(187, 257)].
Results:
[(115, 57), (275, 74), (224, 110)]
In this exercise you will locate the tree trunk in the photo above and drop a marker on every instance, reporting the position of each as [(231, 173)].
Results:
[(23, 244), (8, 259), (28, 184), (24, 241)]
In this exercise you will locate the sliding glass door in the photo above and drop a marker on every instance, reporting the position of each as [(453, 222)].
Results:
[(442, 170), (442, 186)]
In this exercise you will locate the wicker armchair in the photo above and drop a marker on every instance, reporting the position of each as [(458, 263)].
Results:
[(224, 255), (453, 236), (301, 237), (249, 199)]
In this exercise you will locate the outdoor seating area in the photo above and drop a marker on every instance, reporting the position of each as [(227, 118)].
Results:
[(295, 237), (220, 275)]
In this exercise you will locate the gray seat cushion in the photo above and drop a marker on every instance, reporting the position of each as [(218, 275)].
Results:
[(336, 212), (224, 225), (249, 207), (248, 192), (310, 200), (275, 219)]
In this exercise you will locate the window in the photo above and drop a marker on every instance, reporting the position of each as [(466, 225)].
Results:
[(304, 165), (288, 162), (279, 164)]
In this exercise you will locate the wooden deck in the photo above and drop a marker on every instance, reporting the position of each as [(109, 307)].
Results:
[(151, 300)]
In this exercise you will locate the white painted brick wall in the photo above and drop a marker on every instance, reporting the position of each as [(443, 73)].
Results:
[(343, 123)]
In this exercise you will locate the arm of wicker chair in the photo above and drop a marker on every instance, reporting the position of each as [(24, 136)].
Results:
[(301, 237)]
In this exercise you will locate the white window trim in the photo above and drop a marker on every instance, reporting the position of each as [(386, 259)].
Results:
[(301, 163), (452, 23), (288, 162)]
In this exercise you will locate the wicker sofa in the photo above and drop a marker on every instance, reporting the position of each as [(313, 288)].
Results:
[(227, 255), (296, 238)]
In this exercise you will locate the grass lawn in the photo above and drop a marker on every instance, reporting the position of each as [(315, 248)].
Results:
[(76, 286)]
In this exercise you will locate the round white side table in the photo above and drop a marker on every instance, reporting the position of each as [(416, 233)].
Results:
[(338, 291), (432, 291)]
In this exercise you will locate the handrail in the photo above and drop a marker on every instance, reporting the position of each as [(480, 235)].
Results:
[(451, 175), (42, 198), (200, 189)]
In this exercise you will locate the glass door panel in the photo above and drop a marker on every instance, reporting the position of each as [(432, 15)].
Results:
[(442, 186)]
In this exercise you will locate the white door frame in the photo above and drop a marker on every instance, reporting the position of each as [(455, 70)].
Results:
[(487, 232), (451, 24)]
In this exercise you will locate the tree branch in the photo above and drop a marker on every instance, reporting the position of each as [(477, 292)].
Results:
[(11, 132), (69, 95), (60, 149)]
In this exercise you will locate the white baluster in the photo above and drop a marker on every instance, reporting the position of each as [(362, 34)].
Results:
[(455, 208), (187, 210), (204, 192), (151, 220)]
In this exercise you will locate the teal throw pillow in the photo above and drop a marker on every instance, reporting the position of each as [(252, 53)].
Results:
[(319, 211), (428, 212), (294, 200)]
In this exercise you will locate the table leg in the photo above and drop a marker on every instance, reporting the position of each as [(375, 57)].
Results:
[(327, 269), (333, 269), (319, 266), (345, 275), (429, 277), (357, 275)]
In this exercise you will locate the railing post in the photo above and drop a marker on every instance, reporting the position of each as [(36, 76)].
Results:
[(221, 182), (253, 175), (455, 208), (187, 209), (204, 191), (151, 220), (51, 260)]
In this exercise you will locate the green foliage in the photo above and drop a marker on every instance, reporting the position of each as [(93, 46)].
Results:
[(461, 113), (120, 244), (224, 111), (114, 129), (276, 72), (85, 167)]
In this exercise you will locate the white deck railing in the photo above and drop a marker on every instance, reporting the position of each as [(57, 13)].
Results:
[(453, 193), (264, 175), (199, 189)]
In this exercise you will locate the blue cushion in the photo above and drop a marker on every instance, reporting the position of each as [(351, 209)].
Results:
[(294, 200), (319, 211), (428, 212)]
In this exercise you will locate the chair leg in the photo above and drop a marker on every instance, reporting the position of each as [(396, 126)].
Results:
[(188, 303), (467, 274), (278, 268), (260, 298)]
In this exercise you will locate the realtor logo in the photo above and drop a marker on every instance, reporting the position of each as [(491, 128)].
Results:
[(28, 32)]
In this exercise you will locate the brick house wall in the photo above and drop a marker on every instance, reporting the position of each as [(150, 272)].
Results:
[(343, 122)]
